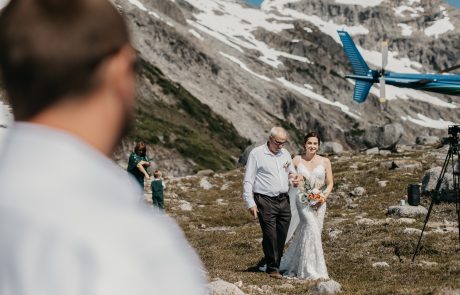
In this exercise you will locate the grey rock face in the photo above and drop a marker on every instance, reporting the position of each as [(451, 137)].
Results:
[(431, 177), (329, 287), (221, 287), (384, 137), (407, 211), (331, 148), (253, 105)]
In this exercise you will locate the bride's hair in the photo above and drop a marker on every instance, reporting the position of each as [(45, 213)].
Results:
[(311, 134)]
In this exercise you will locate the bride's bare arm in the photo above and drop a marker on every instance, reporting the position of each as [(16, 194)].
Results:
[(329, 177), (295, 177)]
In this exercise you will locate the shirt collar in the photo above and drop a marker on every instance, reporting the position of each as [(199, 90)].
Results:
[(268, 152)]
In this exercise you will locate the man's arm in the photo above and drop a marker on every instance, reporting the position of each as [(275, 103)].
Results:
[(248, 183)]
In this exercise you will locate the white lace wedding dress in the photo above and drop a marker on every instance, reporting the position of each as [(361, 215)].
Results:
[(304, 257)]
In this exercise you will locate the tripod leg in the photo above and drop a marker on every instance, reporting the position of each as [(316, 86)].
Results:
[(457, 205), (424, 226), (458, 221)]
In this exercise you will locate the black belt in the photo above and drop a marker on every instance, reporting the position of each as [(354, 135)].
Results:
[(280, 196)]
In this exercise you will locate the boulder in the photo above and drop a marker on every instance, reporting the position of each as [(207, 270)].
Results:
[(380, 265), (365, 221), (384, 137), (446, 291), (402, 165), (427, 140), (430, 180), (220, 287), (384, 153), (382, 183), (333, 234), (205, 184), (358, 191), (372, 151), (206, 172), (328, 287), (407, 211), (331, 148), (413, 231), (185, 206)]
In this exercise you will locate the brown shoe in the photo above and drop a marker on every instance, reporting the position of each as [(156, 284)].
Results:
[(275, 274)]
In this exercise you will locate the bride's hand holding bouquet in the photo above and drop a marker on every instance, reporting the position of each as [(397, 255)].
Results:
[(310, 193)]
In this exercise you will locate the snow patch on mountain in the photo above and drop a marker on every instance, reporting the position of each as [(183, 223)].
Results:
[(440, 26), (234, 25), (244, 67), (315, 96), (402, 10), (195, 33), (367, 3), (327, 27), (428, 122), (392, 92), (406, 30)]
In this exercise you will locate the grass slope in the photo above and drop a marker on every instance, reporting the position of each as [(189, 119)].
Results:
[(188, 125), (228, 240)]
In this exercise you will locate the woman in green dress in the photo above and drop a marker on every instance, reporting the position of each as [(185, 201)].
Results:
[(138, 162)]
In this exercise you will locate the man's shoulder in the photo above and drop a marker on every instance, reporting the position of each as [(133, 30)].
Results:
[(260, 149), (285, 152)]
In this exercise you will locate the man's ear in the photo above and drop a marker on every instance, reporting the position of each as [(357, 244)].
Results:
[(121, 75)]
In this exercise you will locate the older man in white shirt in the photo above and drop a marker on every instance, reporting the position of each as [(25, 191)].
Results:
[(266, 183), (70, 219)]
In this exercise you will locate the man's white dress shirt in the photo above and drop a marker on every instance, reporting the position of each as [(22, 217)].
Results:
[(266, 173), (71, 223)]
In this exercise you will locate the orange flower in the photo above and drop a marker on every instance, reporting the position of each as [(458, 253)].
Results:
[(315, 197)]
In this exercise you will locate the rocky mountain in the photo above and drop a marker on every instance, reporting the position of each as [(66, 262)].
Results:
[(217, 74), (284, 64)]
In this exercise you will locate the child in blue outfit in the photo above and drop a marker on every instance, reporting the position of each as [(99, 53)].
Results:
[(158, 187)]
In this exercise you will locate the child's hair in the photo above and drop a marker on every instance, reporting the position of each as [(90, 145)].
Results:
[(157, 174)]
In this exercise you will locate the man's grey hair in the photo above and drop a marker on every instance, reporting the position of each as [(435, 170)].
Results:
[(278, 131)]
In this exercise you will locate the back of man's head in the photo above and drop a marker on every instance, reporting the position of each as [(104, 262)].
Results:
[(51, 49)]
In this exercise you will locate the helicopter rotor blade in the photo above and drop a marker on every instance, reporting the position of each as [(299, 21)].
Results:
[(450, 69), (382, 97), (384, 54)]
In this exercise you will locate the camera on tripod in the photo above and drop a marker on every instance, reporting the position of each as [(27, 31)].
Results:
[(452, 160), (453, 131)]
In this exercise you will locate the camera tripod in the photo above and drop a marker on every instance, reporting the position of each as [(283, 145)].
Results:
[(454, 151)]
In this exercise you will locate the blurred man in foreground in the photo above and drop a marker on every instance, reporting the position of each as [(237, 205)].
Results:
[(69, 217)]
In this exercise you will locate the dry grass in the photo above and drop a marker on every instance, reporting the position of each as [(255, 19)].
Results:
[(228, 239)]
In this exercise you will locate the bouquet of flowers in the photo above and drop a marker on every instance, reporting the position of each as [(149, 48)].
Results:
[(310, 193)]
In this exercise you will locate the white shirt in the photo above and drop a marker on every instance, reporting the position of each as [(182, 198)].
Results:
[(70, 223), (266, 173)]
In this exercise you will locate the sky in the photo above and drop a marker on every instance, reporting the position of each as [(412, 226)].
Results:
[(455, 3)]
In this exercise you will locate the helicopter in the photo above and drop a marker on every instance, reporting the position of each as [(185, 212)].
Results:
[(366, 77)]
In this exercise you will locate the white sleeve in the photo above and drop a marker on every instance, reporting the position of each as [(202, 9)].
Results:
[(248, 182)]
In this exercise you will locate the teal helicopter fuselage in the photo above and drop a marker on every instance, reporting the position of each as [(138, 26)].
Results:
[(365, 77)]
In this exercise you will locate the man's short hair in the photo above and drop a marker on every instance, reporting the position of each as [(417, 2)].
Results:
[(277, 131), (51, 49)]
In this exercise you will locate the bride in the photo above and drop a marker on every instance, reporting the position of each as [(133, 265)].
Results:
[(304, 257)]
